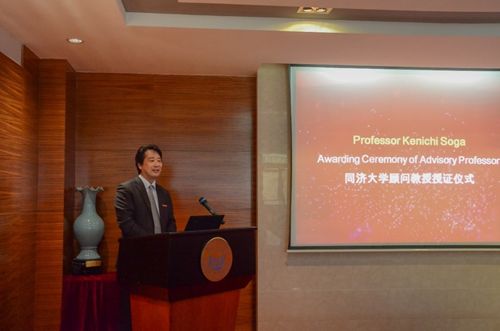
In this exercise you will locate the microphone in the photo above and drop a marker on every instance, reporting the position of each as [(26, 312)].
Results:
[(205, 204)]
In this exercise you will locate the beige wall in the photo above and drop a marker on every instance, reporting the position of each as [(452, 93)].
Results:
[(379, 291), (10, 46)]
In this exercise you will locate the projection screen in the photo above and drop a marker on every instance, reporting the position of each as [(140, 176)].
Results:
[(386, 158)]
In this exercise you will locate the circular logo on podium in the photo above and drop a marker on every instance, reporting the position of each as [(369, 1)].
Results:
[(216, 259)]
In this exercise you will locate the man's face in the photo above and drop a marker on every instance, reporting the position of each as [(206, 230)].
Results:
[(151, 167)]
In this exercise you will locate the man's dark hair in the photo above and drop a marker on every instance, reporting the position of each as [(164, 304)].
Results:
[(141, 154)]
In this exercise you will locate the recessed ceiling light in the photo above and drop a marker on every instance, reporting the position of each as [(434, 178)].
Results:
[(74, 40), (314, 10)]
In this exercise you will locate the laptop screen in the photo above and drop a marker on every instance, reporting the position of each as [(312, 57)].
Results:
[(205, 222)]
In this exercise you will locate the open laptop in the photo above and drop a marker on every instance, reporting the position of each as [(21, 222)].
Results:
[(206, 222)]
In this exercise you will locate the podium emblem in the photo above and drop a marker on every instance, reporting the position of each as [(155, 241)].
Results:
[(216, 259)]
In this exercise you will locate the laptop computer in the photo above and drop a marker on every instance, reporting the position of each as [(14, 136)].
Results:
[(205, 222)]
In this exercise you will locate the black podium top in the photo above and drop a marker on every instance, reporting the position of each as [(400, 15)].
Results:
[(172, 260)]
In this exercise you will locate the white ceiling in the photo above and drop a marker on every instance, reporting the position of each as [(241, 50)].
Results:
[(166, 43)]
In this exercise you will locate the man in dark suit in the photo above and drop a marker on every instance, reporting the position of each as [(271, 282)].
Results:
[(142, 206)]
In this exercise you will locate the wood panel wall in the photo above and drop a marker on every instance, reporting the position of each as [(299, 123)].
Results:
[(18, 195), (205, 127), (55, 173)]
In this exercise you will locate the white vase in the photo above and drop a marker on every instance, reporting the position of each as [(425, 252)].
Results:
[(89, 226)]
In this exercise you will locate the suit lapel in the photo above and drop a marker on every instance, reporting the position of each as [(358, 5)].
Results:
[(142, 191)]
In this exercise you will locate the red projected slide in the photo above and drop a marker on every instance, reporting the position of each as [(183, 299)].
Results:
[(395, 157)]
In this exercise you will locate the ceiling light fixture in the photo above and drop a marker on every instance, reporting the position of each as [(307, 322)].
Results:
[(74, 40), (314, 10)]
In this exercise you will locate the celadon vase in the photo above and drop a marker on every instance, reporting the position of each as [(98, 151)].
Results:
[(89, 226)]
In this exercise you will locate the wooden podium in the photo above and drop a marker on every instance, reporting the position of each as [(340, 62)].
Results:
[(187, 280)]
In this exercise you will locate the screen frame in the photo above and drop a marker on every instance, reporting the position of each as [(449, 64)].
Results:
[(363, 247)]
